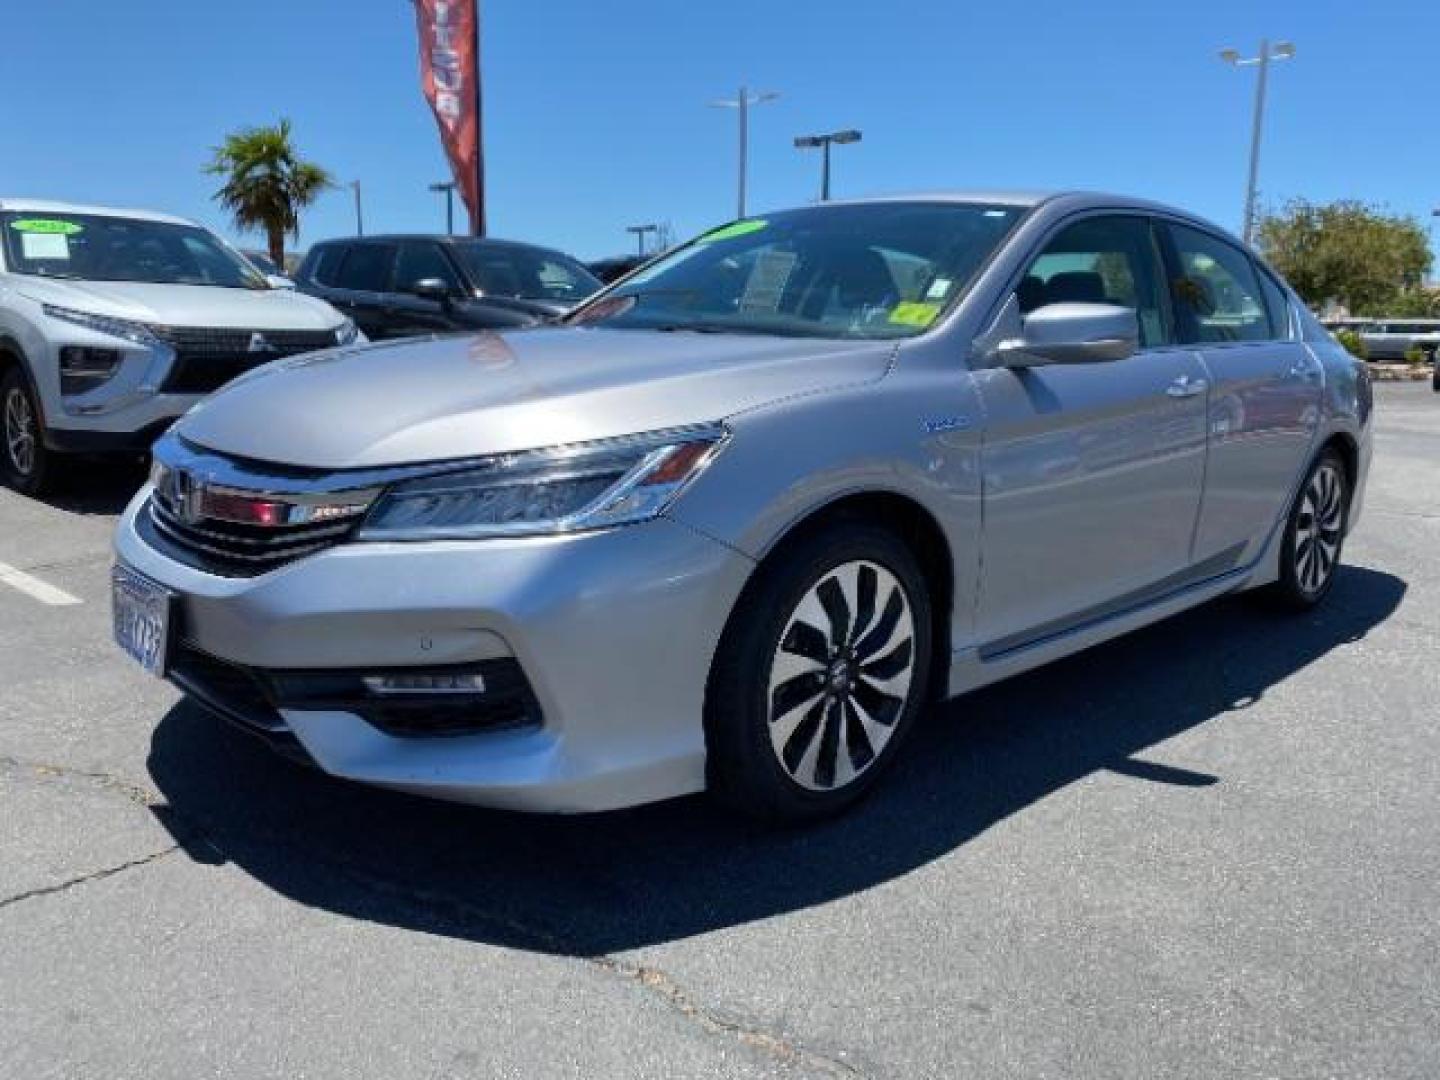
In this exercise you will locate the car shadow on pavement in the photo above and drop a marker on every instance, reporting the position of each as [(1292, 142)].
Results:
[(604, 883), (99, 486)]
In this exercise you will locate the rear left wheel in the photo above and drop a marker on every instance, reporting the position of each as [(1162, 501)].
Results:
[(1314, 535), (820, 674)]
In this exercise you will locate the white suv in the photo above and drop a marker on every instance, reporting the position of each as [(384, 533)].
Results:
[(115, 322)]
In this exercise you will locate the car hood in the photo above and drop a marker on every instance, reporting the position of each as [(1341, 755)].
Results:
[(187, 305), (398, 403)]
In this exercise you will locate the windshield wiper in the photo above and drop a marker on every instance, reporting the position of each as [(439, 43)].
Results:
[(697, 328)]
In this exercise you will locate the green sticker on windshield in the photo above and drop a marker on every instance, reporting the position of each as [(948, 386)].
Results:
[(48, 226), (738, 228), (914, 313)]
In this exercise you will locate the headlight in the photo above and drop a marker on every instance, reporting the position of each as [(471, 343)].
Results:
[(588, 486), (347, 333), (138, 332)]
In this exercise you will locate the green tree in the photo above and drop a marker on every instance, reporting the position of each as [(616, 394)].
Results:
[(1418, 303), (1348, 252), (267, 183)]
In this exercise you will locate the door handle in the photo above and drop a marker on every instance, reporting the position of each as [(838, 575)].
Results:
[(1186, 387)]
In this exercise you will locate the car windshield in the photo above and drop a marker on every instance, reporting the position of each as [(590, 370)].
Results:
[(96, 247), (526, 273), (867, 270)]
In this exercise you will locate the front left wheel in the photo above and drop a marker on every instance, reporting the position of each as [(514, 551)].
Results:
[(820, 674), (24, 460)]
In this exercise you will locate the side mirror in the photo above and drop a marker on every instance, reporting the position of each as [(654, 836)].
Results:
[(431, 288), (1071, 333)]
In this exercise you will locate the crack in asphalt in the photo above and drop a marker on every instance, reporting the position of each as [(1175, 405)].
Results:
[(651, 980), (85, 879), (109, 781), (126, 789), (678, 998)]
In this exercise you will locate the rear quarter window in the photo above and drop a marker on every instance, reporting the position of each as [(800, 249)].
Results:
[(321, 263)]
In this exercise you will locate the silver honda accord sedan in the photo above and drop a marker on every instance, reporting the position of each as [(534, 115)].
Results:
[(738, 521)]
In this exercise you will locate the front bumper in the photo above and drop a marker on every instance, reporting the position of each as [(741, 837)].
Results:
[(614, 631)]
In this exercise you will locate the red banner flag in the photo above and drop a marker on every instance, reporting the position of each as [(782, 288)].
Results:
[(450, 77)]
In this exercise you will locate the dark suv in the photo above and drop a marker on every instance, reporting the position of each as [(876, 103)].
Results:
[(397, 286)]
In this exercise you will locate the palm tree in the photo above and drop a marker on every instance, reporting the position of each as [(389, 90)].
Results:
[(266, 183)]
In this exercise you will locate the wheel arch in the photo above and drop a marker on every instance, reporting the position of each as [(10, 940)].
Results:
[(916, 527), (13, 356), (1344, 444)]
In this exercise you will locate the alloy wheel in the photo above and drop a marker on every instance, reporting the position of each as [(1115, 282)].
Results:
[(841, 675), (1318, 528), (20, 434)]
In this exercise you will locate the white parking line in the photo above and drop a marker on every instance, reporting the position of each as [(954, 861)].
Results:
[(34, 588)]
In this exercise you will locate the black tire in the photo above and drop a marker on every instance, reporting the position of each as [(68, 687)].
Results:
[(763, 779), (1316, 524), (25, 463), (1435, 378)]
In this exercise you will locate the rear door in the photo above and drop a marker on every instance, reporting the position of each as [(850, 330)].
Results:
[(360, 282), (1265, 388), (1092, 471)]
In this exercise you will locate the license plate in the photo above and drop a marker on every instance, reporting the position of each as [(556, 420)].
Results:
[(141, 611)]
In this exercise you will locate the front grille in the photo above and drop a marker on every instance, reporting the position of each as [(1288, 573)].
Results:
[(231, 549), (206, 359)]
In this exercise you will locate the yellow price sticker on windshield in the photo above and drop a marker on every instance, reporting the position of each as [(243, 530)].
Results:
[(914, 313)]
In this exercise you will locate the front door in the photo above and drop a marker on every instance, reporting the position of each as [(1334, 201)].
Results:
[(1264, 390), (408, 314), (1092, 472)]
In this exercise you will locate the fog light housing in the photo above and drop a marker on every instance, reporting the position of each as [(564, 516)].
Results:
[(469, 699), (84, 367)]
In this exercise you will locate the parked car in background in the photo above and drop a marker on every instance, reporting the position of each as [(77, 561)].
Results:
[(1392, 339), (750, 512), (401, 286), (616, 267), (114, 322)]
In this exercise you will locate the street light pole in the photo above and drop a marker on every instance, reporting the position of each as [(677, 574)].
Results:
[(742, 102), (448, 187), (1283, 50), (640, 231), (810, 142), (359, 216)]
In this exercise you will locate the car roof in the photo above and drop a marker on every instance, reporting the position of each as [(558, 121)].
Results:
[(1066, 200), (50, 206), (438, 238)]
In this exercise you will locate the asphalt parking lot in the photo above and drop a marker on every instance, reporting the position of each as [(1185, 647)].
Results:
[(1209, 849)]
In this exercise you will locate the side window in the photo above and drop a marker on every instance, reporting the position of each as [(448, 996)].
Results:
[(1217, 293), (1277, 305), (366, 268), (420, 261), (323, 262), (1102, 260)]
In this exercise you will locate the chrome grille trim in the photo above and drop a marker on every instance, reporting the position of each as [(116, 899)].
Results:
[(279, 540), (187, 514), (223, 553)]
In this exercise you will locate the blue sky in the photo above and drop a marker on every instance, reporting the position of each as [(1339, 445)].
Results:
[(596, 112)]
